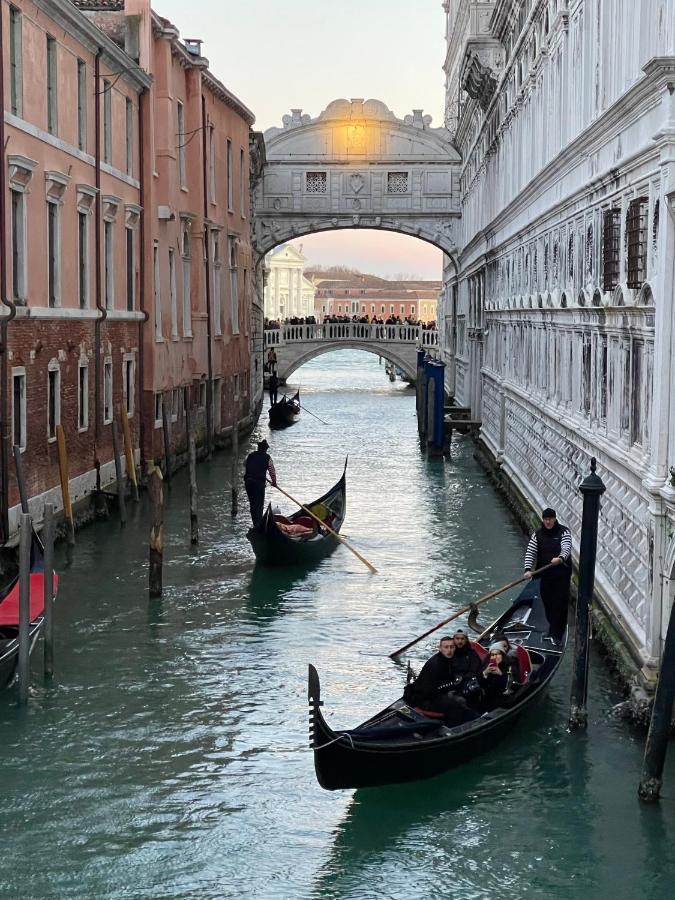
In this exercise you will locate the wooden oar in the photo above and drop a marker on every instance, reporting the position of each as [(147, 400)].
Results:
[(323, 525), (302, 406), (467, 609)]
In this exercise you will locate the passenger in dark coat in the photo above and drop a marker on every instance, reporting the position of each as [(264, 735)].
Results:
[(466, 661), (494, 678), (433, 688)]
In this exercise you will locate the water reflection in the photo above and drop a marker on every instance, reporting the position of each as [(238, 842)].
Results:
[(169, 757), (269, 586)]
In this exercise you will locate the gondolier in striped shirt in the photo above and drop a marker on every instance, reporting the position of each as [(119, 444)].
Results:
[(552, 543), (258, 464)]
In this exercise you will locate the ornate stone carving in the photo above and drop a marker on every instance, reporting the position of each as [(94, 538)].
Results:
[(356, 182), (478, 80)]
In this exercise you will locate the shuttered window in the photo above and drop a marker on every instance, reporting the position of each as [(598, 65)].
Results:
[(636, 233), (611, 247)]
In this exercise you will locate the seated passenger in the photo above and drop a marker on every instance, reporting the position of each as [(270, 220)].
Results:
[(511, 653), (494, 678), (432, 690), (466, 662)]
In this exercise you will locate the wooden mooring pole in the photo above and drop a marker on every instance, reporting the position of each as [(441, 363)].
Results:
[(166, 429), (25, 541), (20, 479), (121, 488), (592, 488), (235, 467), (661, 720), (129, 453), (65, 489), (156, 548), (48, 542), (194, 520)]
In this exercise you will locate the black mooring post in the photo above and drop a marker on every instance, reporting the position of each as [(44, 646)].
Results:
[(592, 489), (659, 726)]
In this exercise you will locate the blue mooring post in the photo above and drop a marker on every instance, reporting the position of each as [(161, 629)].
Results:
[(660, 723), (592, 488), (436, 370)]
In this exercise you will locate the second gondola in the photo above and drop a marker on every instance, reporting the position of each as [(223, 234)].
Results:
[(298, 539), (286, 411)]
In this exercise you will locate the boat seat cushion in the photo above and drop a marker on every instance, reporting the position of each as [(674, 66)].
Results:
[(524, 664), (429, 713), (295, 529), (305, 521)]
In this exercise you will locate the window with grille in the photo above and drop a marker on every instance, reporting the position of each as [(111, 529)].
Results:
[(316, 182), (397, 182), (611, 245), (636, 234)]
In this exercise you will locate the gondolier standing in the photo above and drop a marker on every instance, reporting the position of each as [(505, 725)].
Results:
[(258, 464), (552, 543), (273, 388)]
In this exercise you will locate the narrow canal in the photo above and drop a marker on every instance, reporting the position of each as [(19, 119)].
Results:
[(168, 758)]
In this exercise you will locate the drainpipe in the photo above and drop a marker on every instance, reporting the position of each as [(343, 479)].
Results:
[(98, 322), (142, 103), (5, 436), (207, 249)]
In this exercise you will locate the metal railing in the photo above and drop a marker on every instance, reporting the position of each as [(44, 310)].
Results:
[(351, 331)]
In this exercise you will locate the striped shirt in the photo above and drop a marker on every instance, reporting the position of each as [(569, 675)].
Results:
[(532, 548)]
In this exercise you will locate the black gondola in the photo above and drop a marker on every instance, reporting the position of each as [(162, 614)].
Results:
[(9, 613), (273, 544), (403, 744), (286, 411)]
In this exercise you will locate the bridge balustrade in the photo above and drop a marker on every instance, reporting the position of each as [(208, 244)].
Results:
[(351, 331)]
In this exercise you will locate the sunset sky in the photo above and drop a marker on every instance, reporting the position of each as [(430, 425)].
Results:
[(303, 54)]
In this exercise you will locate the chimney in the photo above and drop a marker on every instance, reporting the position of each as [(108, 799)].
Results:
[(138, 42), (193, 46)]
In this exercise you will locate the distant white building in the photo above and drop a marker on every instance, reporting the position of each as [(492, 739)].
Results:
[(288, 293)]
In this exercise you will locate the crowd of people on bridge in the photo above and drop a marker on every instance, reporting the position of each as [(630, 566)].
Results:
[(271, 324)]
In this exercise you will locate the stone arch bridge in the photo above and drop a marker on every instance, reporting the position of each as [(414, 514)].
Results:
[(356, 165), (295, 345)]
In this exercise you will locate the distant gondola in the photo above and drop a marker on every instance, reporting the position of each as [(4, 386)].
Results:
[(275, 543), (9, 614), (286, 411), (402, 744)]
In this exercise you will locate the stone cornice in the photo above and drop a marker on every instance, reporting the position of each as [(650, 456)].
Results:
[(77, 24), (187, 59), (640, 97)]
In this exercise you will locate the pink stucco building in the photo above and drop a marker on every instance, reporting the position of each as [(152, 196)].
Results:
[(125, 270)]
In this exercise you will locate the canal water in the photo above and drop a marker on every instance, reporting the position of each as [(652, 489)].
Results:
[(168, 759)]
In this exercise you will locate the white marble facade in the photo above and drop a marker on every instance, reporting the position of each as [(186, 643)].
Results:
[(557, 310), (288, 294)]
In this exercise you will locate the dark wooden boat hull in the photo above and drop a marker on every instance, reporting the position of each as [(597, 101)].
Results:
[(272, 547), (343, 759), (9, 652), (285, 412), (9, 613)]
